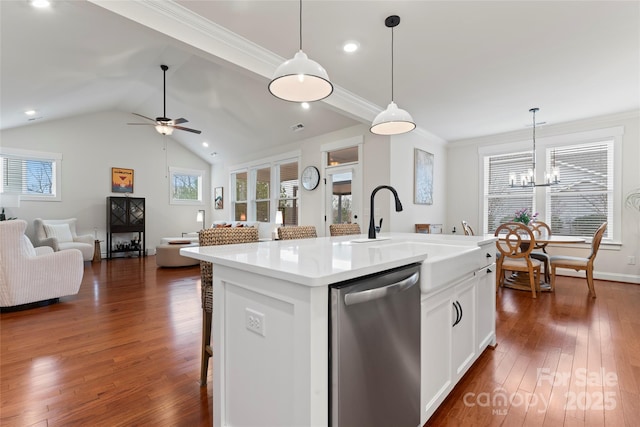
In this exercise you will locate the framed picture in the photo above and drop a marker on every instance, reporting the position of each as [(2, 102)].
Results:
[(423, 177), (218, 202), (121, 180)]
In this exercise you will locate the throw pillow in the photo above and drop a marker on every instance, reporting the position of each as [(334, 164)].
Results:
[(27, 247), (62, 232)]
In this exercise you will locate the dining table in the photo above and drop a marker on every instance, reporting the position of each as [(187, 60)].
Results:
[(520, 281)]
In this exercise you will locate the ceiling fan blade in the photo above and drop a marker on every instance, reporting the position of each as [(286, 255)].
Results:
[(187, 129), (180, 121), (143, 124), (144, 117)]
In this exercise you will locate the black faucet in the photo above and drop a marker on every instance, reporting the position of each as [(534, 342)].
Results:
[(372, 225)]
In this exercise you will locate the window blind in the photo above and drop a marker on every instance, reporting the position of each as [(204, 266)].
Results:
[(502, 200), (28, 176), (584, 198)]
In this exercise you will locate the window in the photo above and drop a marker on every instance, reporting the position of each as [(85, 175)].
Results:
[(34, 175), (240, 184), (262, 193), (584, 198), (186, 186), (256, 199), (502, 200), (342, 156), (288, 195), (576, 206)]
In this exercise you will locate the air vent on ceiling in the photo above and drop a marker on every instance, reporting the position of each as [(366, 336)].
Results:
[(297, 128)]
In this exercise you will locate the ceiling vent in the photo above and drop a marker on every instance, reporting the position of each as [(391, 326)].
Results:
[(297, 128)]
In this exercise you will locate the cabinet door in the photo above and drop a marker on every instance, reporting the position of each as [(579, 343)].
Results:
[(136, 212), (118, 211), (435, 348), (486, 309), (464, 329)]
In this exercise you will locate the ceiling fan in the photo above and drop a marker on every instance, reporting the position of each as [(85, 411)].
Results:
[(165, 125)]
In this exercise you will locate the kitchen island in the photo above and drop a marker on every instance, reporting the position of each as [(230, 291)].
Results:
[(271, 318)]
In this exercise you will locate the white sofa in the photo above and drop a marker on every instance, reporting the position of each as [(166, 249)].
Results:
[(29, 274), (60, 234)]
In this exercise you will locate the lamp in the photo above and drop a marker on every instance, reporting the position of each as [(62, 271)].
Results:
[(300, 79), (528, 179), (200, 217), (393, 120), (164, 129), (279, 220), (9, 200)]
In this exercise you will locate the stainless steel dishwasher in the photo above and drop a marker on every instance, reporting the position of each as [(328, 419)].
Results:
[(374, 350)]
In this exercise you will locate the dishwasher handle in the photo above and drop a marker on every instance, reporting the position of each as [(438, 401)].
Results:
[(376, 293)]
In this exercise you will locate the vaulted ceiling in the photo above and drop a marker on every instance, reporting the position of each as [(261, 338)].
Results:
[(462, 69)]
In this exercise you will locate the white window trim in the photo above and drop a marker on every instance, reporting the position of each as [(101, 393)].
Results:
[(615, 133), (357, 185), (250, 168), (31, 154), (183, 171)]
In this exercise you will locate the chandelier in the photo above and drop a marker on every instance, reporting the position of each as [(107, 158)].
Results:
[(528, 179)]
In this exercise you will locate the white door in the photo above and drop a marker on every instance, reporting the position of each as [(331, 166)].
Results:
[(342, 196)]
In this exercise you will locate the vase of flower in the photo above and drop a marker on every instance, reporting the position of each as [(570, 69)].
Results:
[(524, 216)]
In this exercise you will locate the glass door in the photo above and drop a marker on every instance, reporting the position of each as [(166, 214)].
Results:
[(342, 198)]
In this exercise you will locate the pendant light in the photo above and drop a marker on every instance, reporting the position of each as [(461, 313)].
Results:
[(528, 179), (300, 79), (393, 120)]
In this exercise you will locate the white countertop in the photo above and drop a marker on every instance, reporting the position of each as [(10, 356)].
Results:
[(325, 260)]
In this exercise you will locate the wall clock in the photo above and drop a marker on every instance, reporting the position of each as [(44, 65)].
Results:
[(310, 178)]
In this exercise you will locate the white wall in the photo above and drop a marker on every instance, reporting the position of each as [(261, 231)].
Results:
[(386, 161), (464, 198), (401, 154), (91, 145)]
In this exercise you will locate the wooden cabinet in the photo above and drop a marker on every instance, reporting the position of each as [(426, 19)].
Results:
[(126, 220)]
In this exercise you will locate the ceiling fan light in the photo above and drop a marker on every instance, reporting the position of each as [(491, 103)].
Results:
[(392, 121), (300, 79), (164, 129)]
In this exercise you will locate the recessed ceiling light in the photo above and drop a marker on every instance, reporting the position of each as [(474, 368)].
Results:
[(30, 112), (205, 144), (305, 105), (351, 46), (40, 3)]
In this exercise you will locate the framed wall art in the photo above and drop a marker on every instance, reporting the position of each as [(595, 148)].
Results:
[(423, 177), (121, 180), (218, 201)]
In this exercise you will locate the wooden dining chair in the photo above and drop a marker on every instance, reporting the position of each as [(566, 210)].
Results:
[(577, 263), (344, 229), (541, 229), (468, 231), (515, 243), (213, 237), (292, 232)]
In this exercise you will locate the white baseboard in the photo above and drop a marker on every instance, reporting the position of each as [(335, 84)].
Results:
[(614, 277)]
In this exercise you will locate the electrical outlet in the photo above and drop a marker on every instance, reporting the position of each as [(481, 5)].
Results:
[(631, 260), (255, 321)]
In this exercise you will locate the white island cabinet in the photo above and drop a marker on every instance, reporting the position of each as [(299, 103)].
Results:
[(270, 329)]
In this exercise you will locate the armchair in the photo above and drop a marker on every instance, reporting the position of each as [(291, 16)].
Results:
[(60, 234), (30, 275)]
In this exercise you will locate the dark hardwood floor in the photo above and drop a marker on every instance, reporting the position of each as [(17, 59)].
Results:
[(125, 352)]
